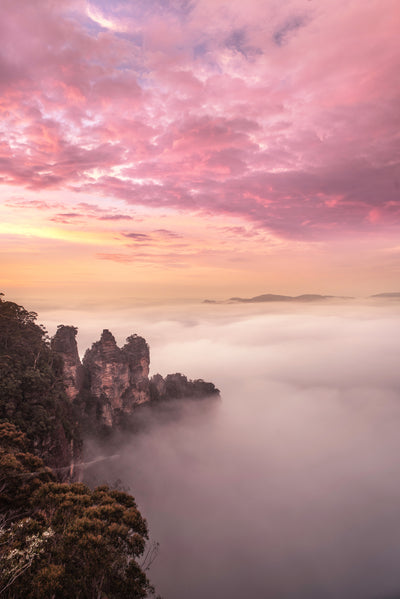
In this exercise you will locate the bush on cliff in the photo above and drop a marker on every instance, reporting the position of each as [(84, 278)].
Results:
[(64, 540)]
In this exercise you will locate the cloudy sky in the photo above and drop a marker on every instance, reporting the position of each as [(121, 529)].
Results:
[(195, 148)]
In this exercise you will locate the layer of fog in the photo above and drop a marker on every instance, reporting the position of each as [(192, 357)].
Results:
[(290, 487)]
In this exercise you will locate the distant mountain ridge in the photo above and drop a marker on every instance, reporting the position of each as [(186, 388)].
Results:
[(390, 295), (272, 297)]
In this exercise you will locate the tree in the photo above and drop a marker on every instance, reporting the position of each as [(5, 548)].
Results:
[(32, 394), (86, 545), (21, 473), (65, 540), (19, 552)]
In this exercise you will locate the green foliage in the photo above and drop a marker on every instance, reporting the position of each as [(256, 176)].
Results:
[(21, 472), (32, 393), (64, 540), (22, 549), (78, 543)]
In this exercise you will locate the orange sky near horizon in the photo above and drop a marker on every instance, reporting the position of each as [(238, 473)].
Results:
[(208, 256)]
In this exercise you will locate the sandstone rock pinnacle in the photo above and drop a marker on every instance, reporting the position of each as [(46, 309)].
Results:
[(64, 343), (117, 378), (111, 381)]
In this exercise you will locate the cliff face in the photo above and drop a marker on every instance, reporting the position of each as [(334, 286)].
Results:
[(64, 343), (116, 380)]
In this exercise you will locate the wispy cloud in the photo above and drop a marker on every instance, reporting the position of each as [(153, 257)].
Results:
[(122, 258), (136, 236), (115, 217)]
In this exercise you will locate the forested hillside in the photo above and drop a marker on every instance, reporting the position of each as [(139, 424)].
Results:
[(58, 539)]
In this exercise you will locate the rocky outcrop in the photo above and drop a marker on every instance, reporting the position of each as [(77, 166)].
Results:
[(112, 382), (178, 386), (64, 343), (117, 378)]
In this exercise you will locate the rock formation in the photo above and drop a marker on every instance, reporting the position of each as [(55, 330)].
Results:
[(177, 386), (64, 343), (116, 380)]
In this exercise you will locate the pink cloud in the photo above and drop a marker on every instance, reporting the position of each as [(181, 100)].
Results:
[(66, 218), (121, 258), (166, 233), (115, 217), (283, 114)]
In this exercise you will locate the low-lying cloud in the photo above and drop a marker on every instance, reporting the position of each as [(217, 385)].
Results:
[(289, 487)]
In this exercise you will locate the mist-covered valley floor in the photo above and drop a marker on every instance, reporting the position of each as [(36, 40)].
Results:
[(290, 486)]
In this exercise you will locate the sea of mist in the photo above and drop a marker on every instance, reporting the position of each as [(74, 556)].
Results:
[(289, 487)]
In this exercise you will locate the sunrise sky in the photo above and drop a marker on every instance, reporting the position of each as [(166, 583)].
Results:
[(172, 149)]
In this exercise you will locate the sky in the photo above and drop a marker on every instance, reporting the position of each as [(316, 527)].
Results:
[(158, 150)]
